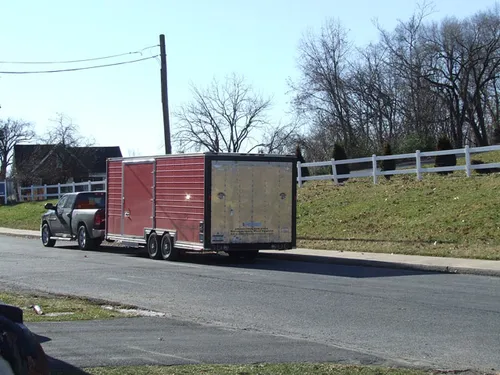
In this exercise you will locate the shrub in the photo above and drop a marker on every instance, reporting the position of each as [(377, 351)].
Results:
[(388, 165), (445, 160), (298, 154), (339, 154), (496, 135), (414, 142)]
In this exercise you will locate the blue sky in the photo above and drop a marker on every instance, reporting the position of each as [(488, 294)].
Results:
[(122, 105)]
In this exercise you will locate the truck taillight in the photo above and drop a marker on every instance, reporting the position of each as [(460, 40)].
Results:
[(99, 219)]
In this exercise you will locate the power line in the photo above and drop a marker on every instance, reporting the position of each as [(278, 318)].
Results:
[(83, 68), (81, 60)]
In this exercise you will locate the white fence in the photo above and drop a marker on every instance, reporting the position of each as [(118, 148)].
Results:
[(375, 171), (43, 192), (3, 192)]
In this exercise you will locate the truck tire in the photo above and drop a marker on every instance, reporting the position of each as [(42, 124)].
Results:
[(83, 238), (168, 251), (153, 246), (46, 241)]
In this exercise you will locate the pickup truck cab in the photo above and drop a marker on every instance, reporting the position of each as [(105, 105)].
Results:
[(76, 216)]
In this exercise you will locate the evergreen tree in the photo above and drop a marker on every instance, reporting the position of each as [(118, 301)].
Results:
[(339, 154), (298, 154), (496, 135), (445, 160), (388, 165)]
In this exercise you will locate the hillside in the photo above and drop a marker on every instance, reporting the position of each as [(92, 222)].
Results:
[(23, 215), (441, 215)]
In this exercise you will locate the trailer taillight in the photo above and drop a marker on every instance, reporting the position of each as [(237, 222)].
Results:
[(202, 232)]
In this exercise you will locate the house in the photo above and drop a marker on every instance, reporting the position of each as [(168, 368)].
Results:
[(41, 164)]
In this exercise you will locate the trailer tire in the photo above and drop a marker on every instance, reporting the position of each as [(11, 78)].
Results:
[(168, 251), (46, 241), (153, 246)]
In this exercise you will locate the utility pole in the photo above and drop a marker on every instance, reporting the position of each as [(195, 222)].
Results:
[(164, 95)]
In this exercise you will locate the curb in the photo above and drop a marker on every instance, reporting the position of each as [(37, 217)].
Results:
[(21, 235), (380, 264)]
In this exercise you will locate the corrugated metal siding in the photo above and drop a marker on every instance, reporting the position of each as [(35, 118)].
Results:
[(114, 197), (180, 195), (138, 184)]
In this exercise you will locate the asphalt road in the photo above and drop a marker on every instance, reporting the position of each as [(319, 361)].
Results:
[(273, 309), (164, 341)]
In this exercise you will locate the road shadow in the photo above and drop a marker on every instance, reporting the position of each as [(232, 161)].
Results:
[(58, 367), (280, 262), (110, 249), (316, 265), (41, 339)]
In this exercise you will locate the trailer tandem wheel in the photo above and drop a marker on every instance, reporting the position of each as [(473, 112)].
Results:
[(168, 251), (153, 246)]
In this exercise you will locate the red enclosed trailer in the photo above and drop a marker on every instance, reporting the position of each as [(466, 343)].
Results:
[(236, 203)]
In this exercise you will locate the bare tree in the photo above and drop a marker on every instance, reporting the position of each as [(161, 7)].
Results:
[(376, 98), (322, 94), (464, 67), (224, 117), (280, 139), (132, 152), (63, 143), (407, 58), (12, 132), (66, 133)]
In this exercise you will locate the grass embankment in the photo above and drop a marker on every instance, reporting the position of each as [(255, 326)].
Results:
[(23, 215), (450, 215), (60, 308), (259, 369)]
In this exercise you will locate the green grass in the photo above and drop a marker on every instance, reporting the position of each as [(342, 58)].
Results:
[(440, 215), (23, 215), (64, 308), (259, 369)]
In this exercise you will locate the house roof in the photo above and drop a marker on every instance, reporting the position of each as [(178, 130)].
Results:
[(99, 155), (92, 158)]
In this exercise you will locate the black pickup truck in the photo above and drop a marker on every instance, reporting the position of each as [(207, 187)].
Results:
[(76, 216)]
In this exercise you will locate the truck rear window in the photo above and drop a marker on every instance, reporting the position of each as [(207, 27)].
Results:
[(90, 201)]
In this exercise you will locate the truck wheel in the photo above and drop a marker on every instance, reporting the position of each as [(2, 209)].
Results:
[(153, 246), (168, 252), (84, 240), (46, 241)]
